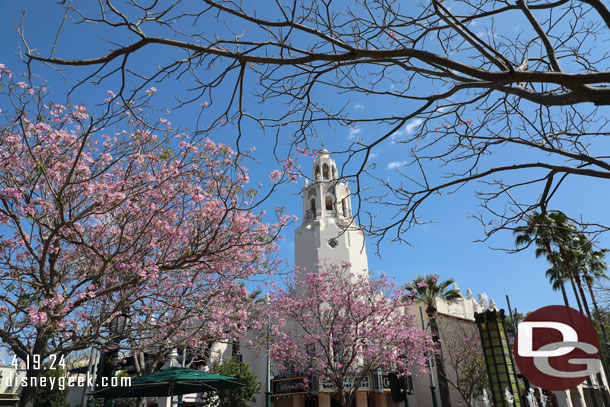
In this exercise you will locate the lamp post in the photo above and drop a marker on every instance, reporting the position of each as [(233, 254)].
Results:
[(173, 361)]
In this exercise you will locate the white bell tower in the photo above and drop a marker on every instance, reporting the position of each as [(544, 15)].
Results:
[(328, 233)]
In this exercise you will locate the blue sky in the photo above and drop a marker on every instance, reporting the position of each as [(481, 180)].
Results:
[(446, 247)]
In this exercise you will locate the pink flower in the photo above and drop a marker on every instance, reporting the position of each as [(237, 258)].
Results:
[(110, 97), (151, 91), (275, 175), (391, 34), (138, 198)]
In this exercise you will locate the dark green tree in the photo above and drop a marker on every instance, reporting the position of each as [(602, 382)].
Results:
[(545, 231), (56, 395), (601, 319), (429, 290), (512, 319), (241, 397), (553, 228), (589, 266)]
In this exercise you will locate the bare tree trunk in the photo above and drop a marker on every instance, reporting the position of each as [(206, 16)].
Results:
[(580, 308), (570, 276), (547, 245), (598, 315), (582, 295), (29, 394), (443, 385)]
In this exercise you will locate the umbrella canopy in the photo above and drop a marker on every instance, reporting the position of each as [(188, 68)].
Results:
[(171, 382)]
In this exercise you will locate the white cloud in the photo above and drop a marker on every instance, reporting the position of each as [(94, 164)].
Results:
[(395, 164), (358, 106), (412, 125), (408, 129), (353, 132)]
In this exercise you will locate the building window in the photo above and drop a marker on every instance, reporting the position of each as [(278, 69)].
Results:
[(329, 203), (317, 174), (344, 207), (333, 243), (325, 171)]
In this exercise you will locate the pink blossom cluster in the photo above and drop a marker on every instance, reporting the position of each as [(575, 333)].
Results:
[(5, 70), (100, 223), (449, 126), (291, 168), (307, 152), (335, 324)]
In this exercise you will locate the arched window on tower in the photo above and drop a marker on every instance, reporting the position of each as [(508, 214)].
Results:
[(344, 206), (312, 204), (329, 203), (325, 171), (317, 174)]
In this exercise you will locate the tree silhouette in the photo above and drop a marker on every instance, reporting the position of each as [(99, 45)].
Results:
[(456, 84)]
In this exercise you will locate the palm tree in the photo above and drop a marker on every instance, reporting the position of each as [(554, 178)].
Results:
[(560, 273), (429, 290), (553, 228), (577, 259), (589, 264), (544, 230)]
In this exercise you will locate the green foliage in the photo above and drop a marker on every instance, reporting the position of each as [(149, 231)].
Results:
[(53, 396), (428, 290), (604, 313), (241, 397), (509, 323)]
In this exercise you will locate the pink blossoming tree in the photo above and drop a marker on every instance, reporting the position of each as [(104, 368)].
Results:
[(340, 327), (107, 217)]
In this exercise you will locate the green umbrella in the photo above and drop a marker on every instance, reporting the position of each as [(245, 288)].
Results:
[(171, 382)]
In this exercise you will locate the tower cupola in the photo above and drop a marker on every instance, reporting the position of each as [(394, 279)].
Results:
[(324, 168), (325, 196)]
